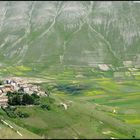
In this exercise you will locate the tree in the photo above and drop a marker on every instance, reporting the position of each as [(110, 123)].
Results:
[(9, 93), (1, 82), (16, 100), (35, 96), (27, 99)]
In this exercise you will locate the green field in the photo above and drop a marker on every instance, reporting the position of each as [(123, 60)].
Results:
[(91, 111)]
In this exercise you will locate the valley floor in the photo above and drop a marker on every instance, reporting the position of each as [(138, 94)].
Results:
[(96, 108)]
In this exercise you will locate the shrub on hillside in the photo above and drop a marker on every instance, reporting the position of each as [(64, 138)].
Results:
[(11, 112), (45, 106), (22, 114)]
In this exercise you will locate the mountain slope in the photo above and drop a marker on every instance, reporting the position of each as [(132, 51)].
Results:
[(69, 33)]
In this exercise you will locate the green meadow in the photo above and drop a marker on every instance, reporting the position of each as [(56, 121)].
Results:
[(98, 107)]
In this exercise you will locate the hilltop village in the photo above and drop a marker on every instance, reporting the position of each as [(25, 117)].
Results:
[(15, 85)]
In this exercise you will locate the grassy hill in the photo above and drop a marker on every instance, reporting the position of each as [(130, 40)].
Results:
[(42, 34), (7, 132)]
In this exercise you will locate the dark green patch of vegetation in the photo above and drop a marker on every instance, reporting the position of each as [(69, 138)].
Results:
[(20, 98), (22, 115), (71, 89), (27, 99), (1, 82), (45, 106), (12, 113)]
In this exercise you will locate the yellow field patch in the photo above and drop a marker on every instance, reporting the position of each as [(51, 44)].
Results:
[(136, 121), (91, 93), (23, 68), (61, 94), (18, 73), (109, 84)]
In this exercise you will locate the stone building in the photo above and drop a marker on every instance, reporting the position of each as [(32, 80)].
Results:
[(3, 101)]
